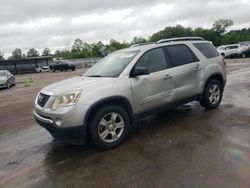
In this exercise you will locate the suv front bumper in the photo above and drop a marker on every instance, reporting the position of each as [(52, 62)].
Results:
[(70, 135)]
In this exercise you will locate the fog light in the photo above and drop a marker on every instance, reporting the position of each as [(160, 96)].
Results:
[(58, 122)]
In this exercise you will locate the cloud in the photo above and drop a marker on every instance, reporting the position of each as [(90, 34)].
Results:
[(55, 24)]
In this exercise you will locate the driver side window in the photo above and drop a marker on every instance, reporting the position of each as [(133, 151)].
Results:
[(154, 60)]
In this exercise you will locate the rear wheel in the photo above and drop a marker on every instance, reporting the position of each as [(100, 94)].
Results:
[(212, 95), (109, 127), (243, 55)]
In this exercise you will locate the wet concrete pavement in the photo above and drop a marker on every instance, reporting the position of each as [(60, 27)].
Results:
[(184, 147)]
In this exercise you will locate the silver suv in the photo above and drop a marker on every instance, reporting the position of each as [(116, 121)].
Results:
[(130, 84)]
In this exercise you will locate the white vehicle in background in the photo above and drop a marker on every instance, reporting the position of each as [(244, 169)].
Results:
[(42, 69), (234, 50), (6, 79)]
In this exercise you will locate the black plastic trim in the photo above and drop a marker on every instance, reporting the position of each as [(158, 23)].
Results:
[(70, 135), (165, 107)]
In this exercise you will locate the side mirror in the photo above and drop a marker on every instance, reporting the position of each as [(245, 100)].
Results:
[(139, 71)]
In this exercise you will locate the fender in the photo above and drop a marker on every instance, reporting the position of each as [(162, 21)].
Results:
[(120, 100)]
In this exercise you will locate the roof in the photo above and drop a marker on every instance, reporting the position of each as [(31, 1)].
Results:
[(29, 58), (179, 39)]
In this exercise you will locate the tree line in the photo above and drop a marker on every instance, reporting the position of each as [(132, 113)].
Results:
[(218, 34)]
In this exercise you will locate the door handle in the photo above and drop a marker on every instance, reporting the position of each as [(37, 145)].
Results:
[(167, 77)]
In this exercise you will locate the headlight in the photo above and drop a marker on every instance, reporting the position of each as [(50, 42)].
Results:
[(66, 100)]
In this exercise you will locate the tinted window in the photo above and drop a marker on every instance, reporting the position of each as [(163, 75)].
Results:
[(181, 55), (154, 60), (234, 47), (207, 50)]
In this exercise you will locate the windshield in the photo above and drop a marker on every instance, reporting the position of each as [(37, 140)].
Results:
[(221, 48), (112, 65), (2, 74)]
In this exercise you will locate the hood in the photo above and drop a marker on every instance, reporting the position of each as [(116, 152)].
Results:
[(72, 84)]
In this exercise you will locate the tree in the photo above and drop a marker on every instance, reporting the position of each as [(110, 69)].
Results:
[(97, 49), (32, 53), (77, 46), (172, 32), (46, 52), (17, 54), (116, 45), (222, 25), (138, 40), (24, 56), (1, 57)]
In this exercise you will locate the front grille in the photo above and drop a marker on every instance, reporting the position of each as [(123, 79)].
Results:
[(42, 99)]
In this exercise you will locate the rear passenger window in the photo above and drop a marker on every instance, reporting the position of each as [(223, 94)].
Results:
[(207, 49), (154, 60), (181, 55)]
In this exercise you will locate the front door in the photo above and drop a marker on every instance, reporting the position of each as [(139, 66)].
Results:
[(156, 89)]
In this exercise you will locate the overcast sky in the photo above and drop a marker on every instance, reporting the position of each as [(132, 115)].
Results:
[(56, 23)]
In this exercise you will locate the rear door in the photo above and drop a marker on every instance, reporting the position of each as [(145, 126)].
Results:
[(156, 89), (186, 70)]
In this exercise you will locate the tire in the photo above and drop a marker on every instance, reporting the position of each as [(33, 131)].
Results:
[(104, 133), (243, 55), (7, 84), (223, 55), (212, 95)]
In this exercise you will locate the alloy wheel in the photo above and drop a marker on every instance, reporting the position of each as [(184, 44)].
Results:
[(214, 94), (111, 127)]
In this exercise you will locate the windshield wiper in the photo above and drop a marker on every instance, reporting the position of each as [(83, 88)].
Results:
[(94, 75)]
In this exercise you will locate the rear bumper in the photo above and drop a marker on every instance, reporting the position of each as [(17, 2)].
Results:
[(70, 135)]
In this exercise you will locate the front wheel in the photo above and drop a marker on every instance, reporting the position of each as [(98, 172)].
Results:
[(109, 127), (212, 95)]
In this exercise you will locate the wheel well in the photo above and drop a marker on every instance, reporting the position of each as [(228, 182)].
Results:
[(217, 77), (119, 101)]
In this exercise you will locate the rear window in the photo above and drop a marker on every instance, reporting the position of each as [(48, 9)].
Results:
[(207, 49)]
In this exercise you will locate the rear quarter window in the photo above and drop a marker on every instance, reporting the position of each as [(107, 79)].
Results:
[(207, 49), (180, 54)]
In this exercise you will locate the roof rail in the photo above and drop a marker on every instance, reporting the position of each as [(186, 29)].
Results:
[(142, 44), (179, 39)]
